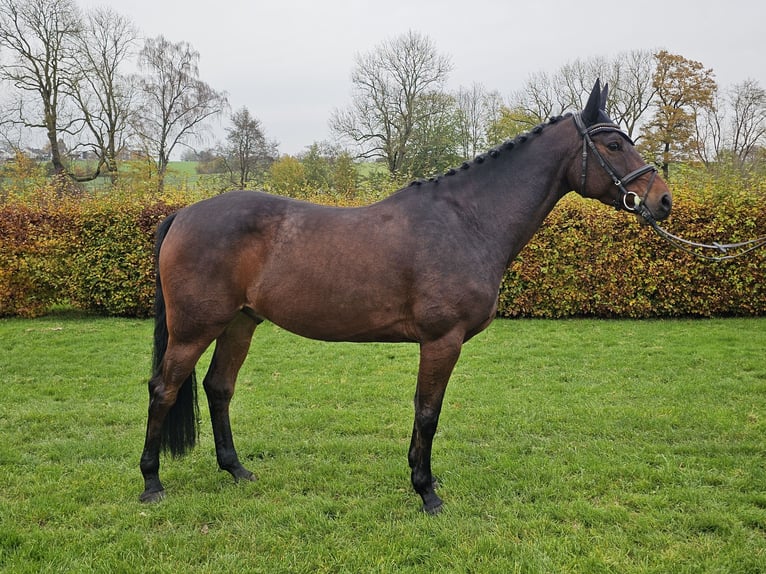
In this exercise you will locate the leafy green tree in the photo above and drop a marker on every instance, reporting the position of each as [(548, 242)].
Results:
[(287, 176), (435, 142), (683, 88), (345, 176), (317, 166), (326, 168), (509, 123)]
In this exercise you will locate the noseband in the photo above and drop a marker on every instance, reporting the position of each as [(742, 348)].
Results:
[(627, 200)]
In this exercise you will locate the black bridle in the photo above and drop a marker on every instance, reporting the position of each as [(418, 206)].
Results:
[(627, 200), (632, 202)]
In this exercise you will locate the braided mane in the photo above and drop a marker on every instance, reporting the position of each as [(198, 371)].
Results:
[(493, 153)]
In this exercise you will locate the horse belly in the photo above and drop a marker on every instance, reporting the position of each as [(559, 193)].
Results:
[(335, 303)]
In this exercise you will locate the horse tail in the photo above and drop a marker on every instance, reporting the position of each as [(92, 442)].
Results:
[(179, 429)]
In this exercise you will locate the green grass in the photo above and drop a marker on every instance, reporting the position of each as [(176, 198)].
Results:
[(564, 446)]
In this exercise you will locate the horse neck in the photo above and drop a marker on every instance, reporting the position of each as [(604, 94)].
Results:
[(508, 196)]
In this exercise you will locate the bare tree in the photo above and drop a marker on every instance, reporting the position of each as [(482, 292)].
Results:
[(629, 76), (630, 89), (7, 124), (103, 94), (477, 109), (247, 148), (748, 123), (176, 103), (390, 85), (538, 100), (574, 80), (709, 135), (39, 34)]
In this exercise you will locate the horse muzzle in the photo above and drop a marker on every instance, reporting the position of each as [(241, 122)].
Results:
[(654, 205), (647, 214)]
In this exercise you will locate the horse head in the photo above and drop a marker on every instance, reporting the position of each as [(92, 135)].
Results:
[(617, 174)]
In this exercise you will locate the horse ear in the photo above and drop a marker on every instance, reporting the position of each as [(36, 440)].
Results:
[(592, 108), (604, 95)]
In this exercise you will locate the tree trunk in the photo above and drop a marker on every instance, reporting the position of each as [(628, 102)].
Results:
[(58, 164), (666, 162)]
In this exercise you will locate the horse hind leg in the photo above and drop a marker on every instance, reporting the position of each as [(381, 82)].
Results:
[(171, 421), (230, 352)]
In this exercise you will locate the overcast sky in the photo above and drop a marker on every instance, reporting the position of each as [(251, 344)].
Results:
[(290, 62)]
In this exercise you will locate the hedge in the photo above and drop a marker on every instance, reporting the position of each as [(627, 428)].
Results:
[(92, 254), (96, 254), (35, 244), (112, 270), (590, 261)]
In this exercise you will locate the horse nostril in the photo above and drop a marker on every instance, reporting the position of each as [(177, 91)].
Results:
[(666, 201)]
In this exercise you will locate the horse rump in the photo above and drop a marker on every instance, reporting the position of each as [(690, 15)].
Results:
[(180, 427)]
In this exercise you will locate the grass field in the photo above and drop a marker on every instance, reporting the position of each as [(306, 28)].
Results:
[(564, 446)]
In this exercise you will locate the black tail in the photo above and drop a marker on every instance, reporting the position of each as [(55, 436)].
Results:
[(179, 431)]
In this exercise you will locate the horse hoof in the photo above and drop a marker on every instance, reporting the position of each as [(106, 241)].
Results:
[(434, 509), (432, 504), (150, 497), (243, 474)]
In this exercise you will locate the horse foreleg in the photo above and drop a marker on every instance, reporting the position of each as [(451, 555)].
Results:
[(437, 359), (230, 352)]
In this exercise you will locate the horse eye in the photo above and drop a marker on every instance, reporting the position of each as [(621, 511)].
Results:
[(614, 146)]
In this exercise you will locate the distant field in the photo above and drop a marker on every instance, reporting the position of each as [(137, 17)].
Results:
[(368, 168), (183, 168), (185, 172), (564, 446), (179, 173)]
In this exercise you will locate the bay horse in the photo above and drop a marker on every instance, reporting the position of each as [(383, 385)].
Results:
[(423, 265)]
